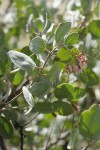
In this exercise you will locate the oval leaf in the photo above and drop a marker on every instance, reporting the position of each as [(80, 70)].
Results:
[(22, 61), (6, 129), (94, 28), (45, 107), (61, 31), (66, 90), (63, 108), (71, 39), (41, 88), (87, 76), (27, 95), (54, 72), (89, 124), (37, 45), (10, 114), (19, 76), (64, 54)]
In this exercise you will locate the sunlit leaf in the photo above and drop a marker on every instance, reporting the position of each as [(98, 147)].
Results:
[(61, 31), (94, 28), (18, 77), (64, 54), (22, 61), (71, 39), (28, 96), (89, 124)]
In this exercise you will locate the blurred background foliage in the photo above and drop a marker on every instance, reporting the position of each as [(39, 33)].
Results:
[(46, 131)]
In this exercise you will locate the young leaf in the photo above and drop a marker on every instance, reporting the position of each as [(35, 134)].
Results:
[(6, 129), (41, 88), (89, 124), (63, 108), (28, 96), (39, 24), (18, 77), (22, 61), (61, 31), (37, 45), (64, 54), (71, 39), (94, 28)]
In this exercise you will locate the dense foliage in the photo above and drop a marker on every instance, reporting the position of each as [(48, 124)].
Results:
[(49, 75)]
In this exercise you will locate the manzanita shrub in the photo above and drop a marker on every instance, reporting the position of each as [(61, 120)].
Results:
[(49, 89)]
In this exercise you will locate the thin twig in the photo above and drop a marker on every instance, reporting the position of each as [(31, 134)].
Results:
[(50, 135), (21, 137), (60, 135), (2, 144), (31, 120), (12, 97), (61, 138)]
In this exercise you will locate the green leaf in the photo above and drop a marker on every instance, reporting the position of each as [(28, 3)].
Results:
[(78, 93), (6, 129), (89, 77), (10, 114), (83, 76), (29, 24), (94, 28), (22, 61), (41, 88), (39, 24), (61, 31), (66, 90), (2, 67), (63, 108), (54, 72), (86, 5), (71, 39), (89, 124), (31, 9), (45, 107), (28, 96), (37, 45), (18, 77), (47, 24), (64, 54)]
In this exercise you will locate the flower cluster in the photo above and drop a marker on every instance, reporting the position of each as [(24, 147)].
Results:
[(81, 60)]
